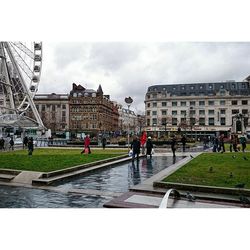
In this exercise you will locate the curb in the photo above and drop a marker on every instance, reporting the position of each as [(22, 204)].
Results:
[(205, 189)]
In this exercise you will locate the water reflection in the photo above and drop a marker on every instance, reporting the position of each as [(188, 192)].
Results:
[(134, 172), (121, 178), (18, 197)]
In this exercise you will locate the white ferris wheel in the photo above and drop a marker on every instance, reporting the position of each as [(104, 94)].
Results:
[(20, 72)]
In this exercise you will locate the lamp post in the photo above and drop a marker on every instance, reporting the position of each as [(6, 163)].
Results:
[(128, 101)]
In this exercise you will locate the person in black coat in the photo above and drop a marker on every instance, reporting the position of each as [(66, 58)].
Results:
[(183, 141), (30, 146), (135, 146), (104, 142), (174, 145), (149, 146)]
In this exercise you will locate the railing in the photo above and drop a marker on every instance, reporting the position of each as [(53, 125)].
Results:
[(164, 202), (48, 142)]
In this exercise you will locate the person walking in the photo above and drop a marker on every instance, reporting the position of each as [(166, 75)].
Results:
[(30, 146), (243, 142), (235, 142), (221, 143), (143, 141), (215, 144), (11, 143), (183, 141), (149, 147), (174, 145), (104, 142), (2, 144), (135, 146), (25, 142), (86, 145), (231, 143)]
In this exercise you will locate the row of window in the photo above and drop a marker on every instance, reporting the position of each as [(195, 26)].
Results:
[(84, 94), (83, 117), (201, 103), (201, 122), (50, 107), (200, 87), (193, 112), (83, 109), (84, 125)]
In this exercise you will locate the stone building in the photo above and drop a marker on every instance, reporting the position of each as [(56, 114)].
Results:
[(198, 108), (91, 111), (54, 111)]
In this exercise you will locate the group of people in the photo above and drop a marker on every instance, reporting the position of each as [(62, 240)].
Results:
[(143, 143), (236, 143), (7, 143)]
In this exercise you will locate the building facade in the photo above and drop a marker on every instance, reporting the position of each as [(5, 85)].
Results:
[(91, 111), (127, 120), (54, 111), (198, 108)]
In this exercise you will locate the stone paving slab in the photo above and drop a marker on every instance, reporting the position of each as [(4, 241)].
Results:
[(146, 200), (26, 177), (6, 177)]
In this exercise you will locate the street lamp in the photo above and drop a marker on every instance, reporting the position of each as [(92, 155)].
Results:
[(128, 101)]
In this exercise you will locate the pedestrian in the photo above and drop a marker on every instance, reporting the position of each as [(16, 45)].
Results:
[(143, 141), (86, 145), (30, 146), (135, 146), (205, 142), (183, 141), (11, 143), (25, 142), (243, 142), (149, 147), (235, 142), (2, 144), (104, 142), (231, 143), (221, 144), (215, 144), (174, 145)]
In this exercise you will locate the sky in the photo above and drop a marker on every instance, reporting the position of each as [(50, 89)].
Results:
[(128, 68)]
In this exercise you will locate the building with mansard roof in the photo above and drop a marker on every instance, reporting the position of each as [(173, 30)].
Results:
[(198, 108)]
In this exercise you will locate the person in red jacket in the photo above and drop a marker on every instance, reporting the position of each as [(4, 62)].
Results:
[(143, 140), (86, 145)]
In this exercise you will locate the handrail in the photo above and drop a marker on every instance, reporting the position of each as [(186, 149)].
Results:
[(164, 202)]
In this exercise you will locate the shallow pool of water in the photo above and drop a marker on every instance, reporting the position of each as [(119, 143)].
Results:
[(122, 177), (118, 178), (19, 197)]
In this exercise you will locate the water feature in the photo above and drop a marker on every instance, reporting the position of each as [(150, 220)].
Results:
[(114, 179), (20, 197), (121, 178)]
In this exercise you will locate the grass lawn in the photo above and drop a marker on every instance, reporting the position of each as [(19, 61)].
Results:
[(198, 172), (46, 160)]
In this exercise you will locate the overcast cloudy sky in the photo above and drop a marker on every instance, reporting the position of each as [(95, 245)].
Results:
[(128, 69)]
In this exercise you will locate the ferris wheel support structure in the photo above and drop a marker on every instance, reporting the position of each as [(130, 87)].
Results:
[(20, 72), (27, 92)]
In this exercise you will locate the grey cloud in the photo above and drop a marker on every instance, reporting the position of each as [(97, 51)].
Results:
[(127, 69)]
